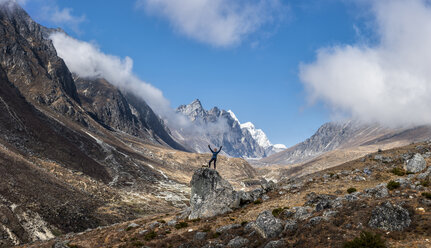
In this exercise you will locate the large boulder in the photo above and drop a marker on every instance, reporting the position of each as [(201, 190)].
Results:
[(211, 195), (389, 217), (415, 164), (267, 225)]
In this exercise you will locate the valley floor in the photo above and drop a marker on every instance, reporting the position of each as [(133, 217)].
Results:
[(296, 201)]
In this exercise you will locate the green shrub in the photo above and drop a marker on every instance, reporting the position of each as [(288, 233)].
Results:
[(425, 183), (196, 220), (138, 244), (351, 190), (244, 223), (162, 221), (258, 201), (398, 171), (426, 195), (366, 240), (393, 185), (150, 235), (277, 211), (129, 228), (180, 225)]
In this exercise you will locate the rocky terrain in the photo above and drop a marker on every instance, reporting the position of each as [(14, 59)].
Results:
[(222, 128), (78, 153), (337, 142), (383, 197)]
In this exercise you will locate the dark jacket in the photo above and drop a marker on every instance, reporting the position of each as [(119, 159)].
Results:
[(215, 153)]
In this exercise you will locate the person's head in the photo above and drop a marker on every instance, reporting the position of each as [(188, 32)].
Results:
[(215, 149)]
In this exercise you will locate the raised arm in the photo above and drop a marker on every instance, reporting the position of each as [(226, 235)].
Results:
[(219, 150), (210, 148)]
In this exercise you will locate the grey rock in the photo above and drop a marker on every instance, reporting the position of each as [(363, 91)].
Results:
[(268, 185), (359, 178), (287, 213), (211, 195), (315, 220), (291, 225), (389, 217), (132, 225), (143, 232), (61, 244), (257, 193), (265, 197), (227, 228), (302, 213), (245, 197), (267, 225), (172, 223), (352, 197), (425, 175), (276, 244), (330, 213), (200, 235), (383, 159), (238, 242), (154, 225), (322, 201), (415, 164), (249, 226), (214, 245), (404, 182), (379, 191)]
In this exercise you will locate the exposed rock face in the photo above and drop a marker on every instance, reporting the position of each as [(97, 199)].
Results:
[(238, 242), (222, 128), (415, 164), (211, 195), (122, 111), (267, 225), (390, 217), (32, 65)]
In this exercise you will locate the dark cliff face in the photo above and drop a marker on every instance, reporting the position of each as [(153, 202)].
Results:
[(122, 111), (32, 65)]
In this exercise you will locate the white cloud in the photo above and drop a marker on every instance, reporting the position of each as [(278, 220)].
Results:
[(86, 60), (388, 82), (217, 22)]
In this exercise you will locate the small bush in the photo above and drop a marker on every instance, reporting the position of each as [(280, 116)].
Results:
[(258, 201), (393, 185), (129, 228), (366, 239), (138, 244), (425, 183), (206, 228), (232, 219), (277, 211), (180, 225), (379, 150), (150, 235), (244, 223), (398, 171), (351, 190), (162, 221), (426, 195), (196, 220)]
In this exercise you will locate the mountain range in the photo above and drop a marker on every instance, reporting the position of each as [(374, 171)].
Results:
[(222, 128)]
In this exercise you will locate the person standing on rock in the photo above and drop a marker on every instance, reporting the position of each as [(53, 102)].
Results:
[(214, 158)]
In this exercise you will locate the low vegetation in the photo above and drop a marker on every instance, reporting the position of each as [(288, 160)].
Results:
[(398, 171), (181, 224), (366, 239), (351, 190), (426, 195), (393, 185), (150, 235)]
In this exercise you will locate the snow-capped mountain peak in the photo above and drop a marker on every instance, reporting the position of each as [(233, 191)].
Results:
[(257, 134), (233, 116)]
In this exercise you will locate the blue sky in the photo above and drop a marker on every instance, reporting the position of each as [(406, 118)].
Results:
[(257, 77)]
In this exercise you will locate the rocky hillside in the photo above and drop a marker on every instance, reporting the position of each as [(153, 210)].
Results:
[(222, 128), (78, 153), (352, 138), (380, 200)]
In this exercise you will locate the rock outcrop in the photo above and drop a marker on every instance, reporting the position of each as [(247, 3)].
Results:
[(390, 217), (267, 225), (211, 195), (415, 164)]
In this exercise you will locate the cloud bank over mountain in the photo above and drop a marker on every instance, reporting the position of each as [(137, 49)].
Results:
[(387, 82), (220, 23)]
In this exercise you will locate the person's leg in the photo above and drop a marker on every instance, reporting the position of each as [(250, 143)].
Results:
[(215, 161)]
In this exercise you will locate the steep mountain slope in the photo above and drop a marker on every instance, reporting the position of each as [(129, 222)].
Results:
[(219, 127), (122, 111), (71, 161)]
